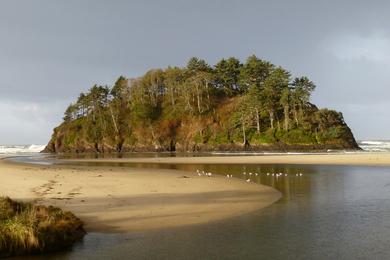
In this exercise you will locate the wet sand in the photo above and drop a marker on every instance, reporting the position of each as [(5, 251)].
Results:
[(362, 159), (113, 199)]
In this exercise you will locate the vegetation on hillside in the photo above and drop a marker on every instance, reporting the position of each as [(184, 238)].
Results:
[(26, 228), (229, 106)]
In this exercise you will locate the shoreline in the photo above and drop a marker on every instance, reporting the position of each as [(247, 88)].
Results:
[(117, 199), (358, 159)]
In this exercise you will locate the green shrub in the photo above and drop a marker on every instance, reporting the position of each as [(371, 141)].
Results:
[(198, 138), (297, 136), (221, 138), (26, 228), (262, 138), (333, 135)]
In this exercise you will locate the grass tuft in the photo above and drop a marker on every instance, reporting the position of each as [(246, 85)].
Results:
[(26, 228)]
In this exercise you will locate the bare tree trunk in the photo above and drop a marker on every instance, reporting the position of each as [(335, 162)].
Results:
[(300, 115), (208, 95), (113, 120), (141, 97), (243, 130), (257, 120), (154, 137), (295, 112), (286, 118), (271, 117), (198, 98), (172, 97), (188, 100)]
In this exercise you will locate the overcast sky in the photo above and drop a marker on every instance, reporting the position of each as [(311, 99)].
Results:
[(51, 50)]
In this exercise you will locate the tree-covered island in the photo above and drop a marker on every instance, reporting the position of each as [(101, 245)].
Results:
[(254, 105)]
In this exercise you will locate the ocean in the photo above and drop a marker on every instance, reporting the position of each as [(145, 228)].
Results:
[(21, 149), (375, 145)]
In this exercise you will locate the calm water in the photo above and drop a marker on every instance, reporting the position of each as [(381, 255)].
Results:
[(331, 212)]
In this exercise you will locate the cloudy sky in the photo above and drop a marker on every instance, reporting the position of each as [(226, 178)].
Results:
[(52, 50)]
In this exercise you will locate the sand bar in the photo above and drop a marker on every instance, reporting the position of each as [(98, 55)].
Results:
[(368, 159), (122, 200)]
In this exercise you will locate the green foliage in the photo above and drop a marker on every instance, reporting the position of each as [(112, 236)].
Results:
[(266, 138), (222, 138), (198, 139), (27, 228), (195, 65), (334, 134), (254, 72), (297, 136), (227, 75)]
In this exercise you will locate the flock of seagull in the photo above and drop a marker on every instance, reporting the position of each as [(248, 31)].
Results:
[(280, 174), (203, 173)]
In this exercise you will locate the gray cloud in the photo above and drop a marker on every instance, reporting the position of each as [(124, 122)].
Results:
[(52, 50)]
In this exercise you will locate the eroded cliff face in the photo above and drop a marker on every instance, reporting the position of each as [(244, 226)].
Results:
[(208, 133), (56, 146)]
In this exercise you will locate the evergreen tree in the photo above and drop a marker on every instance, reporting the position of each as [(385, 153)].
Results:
[(227, 74)]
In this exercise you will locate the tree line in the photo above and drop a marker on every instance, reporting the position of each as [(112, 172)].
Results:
[(266, 99)]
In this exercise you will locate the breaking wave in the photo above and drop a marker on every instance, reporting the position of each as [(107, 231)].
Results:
[(21, 149), (375, 145)]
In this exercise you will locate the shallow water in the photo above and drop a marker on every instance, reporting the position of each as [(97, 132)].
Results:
[(331, 212)]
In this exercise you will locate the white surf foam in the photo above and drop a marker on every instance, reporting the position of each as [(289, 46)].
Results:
[(21, 149), (375, 145)]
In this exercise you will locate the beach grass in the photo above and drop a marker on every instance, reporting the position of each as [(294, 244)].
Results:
[(26, 228)]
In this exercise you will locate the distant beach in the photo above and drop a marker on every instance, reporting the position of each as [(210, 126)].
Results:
[(364, 159)]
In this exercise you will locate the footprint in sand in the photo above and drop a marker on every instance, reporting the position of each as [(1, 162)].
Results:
[(44, 189), (74, 192)]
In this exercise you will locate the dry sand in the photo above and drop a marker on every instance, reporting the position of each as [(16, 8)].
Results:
[(368, 159), (122, 200)]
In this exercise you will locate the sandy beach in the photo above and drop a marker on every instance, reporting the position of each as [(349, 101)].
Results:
[(114, 199), (122, 200), (361, 159)]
